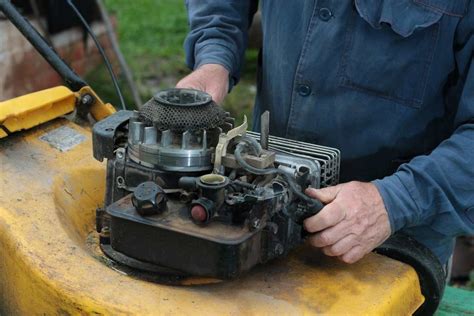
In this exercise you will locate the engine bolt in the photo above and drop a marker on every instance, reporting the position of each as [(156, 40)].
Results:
[(279, 249), (87, 99), (104, 235), (256, 223)]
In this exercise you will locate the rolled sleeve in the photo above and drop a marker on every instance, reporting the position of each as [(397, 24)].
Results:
[(215, 53), (218, 33), (399, 203)]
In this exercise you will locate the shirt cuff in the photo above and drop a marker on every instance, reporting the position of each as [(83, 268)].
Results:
[(214, 53), (401, 207)]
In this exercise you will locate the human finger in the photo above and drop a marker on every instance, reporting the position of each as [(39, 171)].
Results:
[(329, 216)]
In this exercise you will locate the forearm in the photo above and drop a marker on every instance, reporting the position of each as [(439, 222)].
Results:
[(435, 190), (218, 33)]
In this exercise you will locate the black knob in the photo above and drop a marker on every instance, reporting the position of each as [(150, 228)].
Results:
[(149, 199)]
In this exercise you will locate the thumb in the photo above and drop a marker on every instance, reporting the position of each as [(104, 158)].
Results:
[(194, 81), (325, 195)]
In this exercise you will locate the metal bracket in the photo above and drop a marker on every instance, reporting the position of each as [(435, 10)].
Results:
[(224, 139), (89, 101)]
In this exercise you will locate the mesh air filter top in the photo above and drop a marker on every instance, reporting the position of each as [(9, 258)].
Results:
[(182, 109)]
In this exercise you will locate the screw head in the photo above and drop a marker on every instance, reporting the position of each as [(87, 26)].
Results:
[(256, 223), (279, 249), (87, 99)]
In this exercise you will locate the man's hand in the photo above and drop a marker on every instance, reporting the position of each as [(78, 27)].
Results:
[(210, 78), (353, 222)]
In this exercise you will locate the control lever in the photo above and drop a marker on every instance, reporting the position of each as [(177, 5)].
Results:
[(264, 129)]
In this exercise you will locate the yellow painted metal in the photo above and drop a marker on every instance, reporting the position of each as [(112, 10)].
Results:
[(36, 108), (50, 263), (39, 107), (99, 110)]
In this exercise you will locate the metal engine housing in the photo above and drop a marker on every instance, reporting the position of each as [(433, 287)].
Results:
[(187, 197)]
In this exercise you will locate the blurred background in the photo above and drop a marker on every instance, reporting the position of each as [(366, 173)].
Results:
[(150, 34)]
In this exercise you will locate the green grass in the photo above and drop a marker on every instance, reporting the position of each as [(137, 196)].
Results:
[(151, 35), (150, 31), (456, 302)]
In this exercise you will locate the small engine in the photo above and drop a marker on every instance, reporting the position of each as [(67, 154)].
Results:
[(188, 193)]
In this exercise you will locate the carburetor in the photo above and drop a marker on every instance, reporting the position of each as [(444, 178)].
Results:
[(188, 193)]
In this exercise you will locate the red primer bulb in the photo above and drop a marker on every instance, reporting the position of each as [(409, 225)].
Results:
[(198, 213)]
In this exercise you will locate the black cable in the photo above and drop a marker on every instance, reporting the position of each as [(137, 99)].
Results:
[(101, 51), (72, 80)]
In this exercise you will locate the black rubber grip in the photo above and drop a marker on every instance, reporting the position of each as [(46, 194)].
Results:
[(304, 212)]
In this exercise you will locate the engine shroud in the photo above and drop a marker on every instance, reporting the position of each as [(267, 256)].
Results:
[(176, 131), (202, 221)]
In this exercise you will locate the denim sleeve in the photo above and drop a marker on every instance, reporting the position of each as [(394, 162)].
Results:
[(437, 190), (218, 33)]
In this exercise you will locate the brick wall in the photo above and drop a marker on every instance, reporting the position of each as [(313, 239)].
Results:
[(23, 70)]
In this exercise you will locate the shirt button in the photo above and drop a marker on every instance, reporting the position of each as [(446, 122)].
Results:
[(304, 90), (325, 14)]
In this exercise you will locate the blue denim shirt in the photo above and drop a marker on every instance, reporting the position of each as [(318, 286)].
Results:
[(388, 82)]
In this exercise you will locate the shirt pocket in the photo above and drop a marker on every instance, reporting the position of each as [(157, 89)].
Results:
[(390, 45)]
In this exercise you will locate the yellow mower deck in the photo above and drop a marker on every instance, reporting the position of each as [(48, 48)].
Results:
[(50, 264)]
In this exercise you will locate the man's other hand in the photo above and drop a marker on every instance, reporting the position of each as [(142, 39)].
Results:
[(210, 78), (352, 223)]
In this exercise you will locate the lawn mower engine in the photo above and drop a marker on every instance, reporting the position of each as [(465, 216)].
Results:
[(190, 194)]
